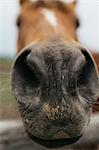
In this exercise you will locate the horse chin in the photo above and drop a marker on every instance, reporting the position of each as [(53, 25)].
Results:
[(55, 143)]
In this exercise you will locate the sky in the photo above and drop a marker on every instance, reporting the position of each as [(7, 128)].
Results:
[(88, 33)]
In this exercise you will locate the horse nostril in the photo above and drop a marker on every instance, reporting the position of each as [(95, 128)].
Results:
[(87, 83), (35, 61)]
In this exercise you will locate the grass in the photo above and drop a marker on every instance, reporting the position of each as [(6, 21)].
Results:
[(5, 86), (8, 105)]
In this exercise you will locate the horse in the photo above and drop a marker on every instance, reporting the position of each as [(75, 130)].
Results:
[(54, 77), (96, 57)]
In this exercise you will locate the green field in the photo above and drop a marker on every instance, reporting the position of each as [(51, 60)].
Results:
[(5, 87), (8, 107)]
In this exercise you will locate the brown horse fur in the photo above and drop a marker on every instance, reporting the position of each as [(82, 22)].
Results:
[(31, 19), (96, 57), (54, 79)]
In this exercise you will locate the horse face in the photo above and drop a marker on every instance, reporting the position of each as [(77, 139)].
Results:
[(55, 84), (41, 19), (54, 79)]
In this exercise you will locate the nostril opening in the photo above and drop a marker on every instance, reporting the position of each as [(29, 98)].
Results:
[(89, 72), (24, 71), (24, 80), (87, 83)]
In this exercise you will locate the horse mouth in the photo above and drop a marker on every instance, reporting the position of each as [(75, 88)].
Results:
[(54, 143)]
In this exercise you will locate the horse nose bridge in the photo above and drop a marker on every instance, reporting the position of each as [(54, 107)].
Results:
[(49, 60), (53, 66)]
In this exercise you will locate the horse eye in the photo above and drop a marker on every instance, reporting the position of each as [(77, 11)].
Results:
[(77, 23), (19, 21)]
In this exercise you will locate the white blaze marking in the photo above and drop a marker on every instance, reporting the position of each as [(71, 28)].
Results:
[(50, 17)]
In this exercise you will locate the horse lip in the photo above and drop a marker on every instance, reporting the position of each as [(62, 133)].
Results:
[(55, 143)]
